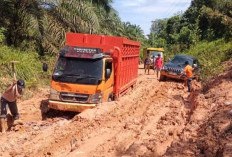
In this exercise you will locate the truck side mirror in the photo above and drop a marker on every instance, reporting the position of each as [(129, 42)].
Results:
[(108, 73), (194, 65), (45, 67)]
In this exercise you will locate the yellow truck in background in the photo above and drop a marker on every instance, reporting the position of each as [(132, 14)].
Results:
[(152, 52)]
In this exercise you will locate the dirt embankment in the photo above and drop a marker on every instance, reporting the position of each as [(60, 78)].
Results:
[(208, 132), (154, 119)]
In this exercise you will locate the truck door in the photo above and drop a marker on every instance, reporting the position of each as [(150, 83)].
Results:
[(109, 79)]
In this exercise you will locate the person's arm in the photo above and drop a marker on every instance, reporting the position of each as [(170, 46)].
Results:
[(9, 87), (183, 72), (18, 95), (18, 92)]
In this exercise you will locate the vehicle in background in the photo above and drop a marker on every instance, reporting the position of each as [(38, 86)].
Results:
[(151, 51), (92, 69), (175, 66)]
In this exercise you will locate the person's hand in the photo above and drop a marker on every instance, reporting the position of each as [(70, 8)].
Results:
[(20, 91), (180, 75), (14, 82)]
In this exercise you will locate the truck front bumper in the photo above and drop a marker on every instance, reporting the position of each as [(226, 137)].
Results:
[(173, 76), (68, 106)]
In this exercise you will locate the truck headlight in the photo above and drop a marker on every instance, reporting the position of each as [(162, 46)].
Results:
[(54, 94), (96, 98), (165, 68)]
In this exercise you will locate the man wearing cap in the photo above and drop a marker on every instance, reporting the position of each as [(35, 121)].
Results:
[(9, 98), (158, 65)]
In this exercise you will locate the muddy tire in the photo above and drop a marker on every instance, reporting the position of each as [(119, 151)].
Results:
[(162, 78), (110, 98), (44, 109), (44, 106)]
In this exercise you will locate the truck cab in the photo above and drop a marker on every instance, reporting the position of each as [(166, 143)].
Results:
[(92, 69), (84, 78), (152, 53)]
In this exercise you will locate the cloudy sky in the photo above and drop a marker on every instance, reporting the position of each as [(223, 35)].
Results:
[(142, 12)]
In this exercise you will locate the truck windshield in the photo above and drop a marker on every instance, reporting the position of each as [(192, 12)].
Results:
[(181, 60), (155, 54), (78, 70)]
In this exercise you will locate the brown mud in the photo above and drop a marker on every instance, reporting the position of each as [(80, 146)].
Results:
[(154, 119)]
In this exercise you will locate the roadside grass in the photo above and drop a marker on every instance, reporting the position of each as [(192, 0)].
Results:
[(29, 67)]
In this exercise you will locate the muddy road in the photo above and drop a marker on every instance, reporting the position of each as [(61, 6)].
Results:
[(153, 119)]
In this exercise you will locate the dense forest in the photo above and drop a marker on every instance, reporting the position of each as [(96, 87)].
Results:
[(41, 24), (32, 31), (204, 20), (204, 30)]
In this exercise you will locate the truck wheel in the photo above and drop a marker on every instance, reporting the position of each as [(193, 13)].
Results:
[(44, 109), (44, 106), (162, 78), (110, 98)]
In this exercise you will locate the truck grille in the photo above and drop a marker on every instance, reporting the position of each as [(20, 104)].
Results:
[(176, 70), (73, 97)]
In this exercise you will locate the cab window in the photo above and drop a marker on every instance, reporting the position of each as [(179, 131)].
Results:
[(108, 69)]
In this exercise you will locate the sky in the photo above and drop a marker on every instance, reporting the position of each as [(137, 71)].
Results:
[(142, 12)]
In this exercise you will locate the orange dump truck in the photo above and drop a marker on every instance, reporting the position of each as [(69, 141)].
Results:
[(92, 69)]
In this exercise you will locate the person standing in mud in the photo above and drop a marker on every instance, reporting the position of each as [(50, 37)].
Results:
[(9, 97), (158, 65), (188, 70), (147, 64)]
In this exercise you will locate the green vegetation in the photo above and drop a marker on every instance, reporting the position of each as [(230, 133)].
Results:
[(41, 24), (32, 32), (211, 55), (29, 67), (204, 31)]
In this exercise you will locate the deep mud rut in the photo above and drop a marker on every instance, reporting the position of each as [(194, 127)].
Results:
[(154, 119)]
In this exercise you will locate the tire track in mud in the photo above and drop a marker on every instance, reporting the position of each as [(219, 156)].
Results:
[(208, 132), (36, 138), (150, 133), (145, 128), (112, 119), (155, 119), (142, 123)]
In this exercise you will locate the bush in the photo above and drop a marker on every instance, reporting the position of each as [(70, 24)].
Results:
[(2, 36), (29, 67), (211, 55)]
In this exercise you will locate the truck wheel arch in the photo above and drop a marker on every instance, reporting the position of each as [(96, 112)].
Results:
[(110, 97)]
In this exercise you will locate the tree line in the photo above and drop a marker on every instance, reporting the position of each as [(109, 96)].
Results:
[(204, 20), (40, 25)]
